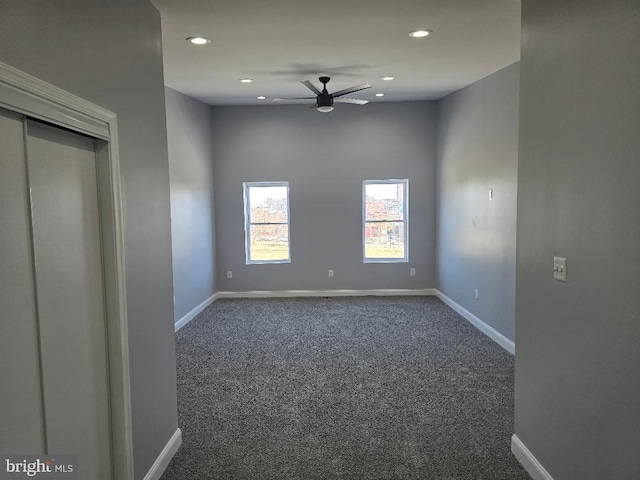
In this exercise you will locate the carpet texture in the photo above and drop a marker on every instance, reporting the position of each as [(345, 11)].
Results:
[(393, 388)]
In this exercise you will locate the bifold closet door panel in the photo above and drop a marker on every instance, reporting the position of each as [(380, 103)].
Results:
[(21, 422), (71, 308)]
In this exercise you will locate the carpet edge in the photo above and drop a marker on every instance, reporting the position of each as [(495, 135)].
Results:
[(388, 292), (485, 328), (528, 461), (194, 313), (167, 453)]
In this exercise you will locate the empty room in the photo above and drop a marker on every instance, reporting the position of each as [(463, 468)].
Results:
[(302, 240)]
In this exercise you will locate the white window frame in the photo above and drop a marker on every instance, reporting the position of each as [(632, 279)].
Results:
[(247, 222), (405, 220)]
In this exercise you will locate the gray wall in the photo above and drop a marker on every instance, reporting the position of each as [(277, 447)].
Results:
[(325, 157), (110, 53), (192, 215), (577, 379), (478, 151)]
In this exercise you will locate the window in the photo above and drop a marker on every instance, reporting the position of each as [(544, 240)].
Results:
[(266, 222), (385, 221)]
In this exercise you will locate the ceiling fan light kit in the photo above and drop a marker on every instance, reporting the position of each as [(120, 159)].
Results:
[(199, 40), (325, 100), (420, 33)]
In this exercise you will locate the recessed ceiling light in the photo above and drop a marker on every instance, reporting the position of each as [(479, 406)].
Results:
[(261, 97), (420, 33), (246, 80), (379, 94), (198, 40), (388, 78)]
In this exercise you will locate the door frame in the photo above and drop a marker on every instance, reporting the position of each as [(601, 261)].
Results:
[(27, 95)]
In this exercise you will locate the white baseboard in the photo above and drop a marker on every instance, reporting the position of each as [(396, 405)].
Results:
[(162, 462), (489, 331), (527, 460), (193, 313), (326, 293)]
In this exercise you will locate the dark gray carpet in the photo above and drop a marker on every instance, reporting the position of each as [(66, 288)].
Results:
[(342, 388)]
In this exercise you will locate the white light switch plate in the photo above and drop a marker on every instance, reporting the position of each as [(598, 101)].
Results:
[(560, 269)]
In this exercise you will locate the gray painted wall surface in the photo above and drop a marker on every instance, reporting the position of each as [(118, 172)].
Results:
[(577, 379), (325, 157), (110, 53), (192, 218), (478, 151)]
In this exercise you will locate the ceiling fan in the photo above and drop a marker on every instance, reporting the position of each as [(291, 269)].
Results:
[(324, 99)]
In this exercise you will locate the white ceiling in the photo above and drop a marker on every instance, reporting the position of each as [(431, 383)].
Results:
[(278, 43)]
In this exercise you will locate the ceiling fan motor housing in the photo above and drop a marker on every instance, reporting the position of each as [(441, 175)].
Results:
[(325, 100)]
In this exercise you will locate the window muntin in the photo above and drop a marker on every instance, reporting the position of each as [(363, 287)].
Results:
[(385, 221), (266, 222)]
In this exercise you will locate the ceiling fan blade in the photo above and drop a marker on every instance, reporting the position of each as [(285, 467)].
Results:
[(293, 98), (355, 101), (355, 88), (311, 86)]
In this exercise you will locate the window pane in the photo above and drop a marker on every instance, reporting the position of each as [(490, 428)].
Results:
[(384, 201), (384, 240), (268, 204), (269, 242)]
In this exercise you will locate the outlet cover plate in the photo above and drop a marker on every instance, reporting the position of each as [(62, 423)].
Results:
[(560, 269)]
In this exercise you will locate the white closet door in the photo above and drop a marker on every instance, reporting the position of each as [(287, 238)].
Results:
[(70, 296), (21, 422)]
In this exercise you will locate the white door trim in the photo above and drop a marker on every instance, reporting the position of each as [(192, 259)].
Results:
[(25, 94)]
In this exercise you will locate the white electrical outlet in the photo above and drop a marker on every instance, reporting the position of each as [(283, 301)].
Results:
[(560, 269), (330, 273), (412, 271), (476, 293), (229, 274), (491, 194)]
